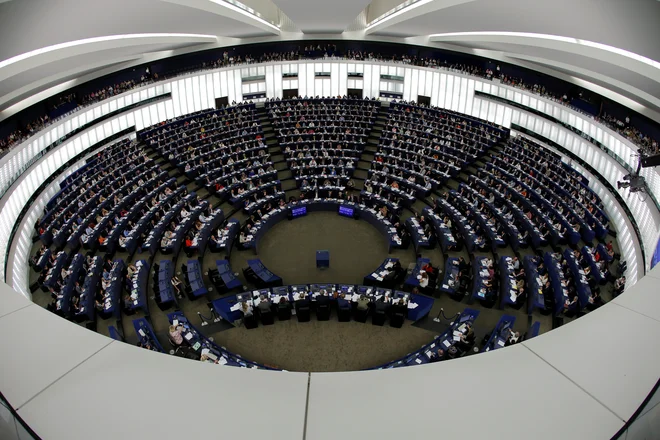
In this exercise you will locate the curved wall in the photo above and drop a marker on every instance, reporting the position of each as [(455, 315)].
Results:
[(447, 89), (582, 381)]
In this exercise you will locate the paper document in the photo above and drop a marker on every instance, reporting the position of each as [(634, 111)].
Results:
[(412, 305), (235, 307), (446, 343), (188, 336), (141, 332), (500, 343), (175, 322), (222, 361), (418, 361)]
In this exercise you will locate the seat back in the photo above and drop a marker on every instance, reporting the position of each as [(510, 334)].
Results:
[(361, 315), (283, 314), (344, 314), (323, 312), (378, 318), (250, 322), (267, 318), (397, 320), (303, 313)]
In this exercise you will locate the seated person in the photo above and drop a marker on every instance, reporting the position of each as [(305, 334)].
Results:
[(424, 280), (176, 283), (175, 334), (437, 356), (594, 300), (283, 303), (247, 309), (363, 303), (264, 304), (512, 338)]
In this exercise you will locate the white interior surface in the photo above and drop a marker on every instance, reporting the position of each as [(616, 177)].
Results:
[(588, 376), (39, 348), (128, 392), (508, 391), (611, 354), (10, 301), (647, 301)]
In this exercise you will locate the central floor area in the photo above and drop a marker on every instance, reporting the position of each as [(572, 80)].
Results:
[(324, 345), (289, 249)]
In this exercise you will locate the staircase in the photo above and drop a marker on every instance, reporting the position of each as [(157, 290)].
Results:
[(284, 174), (363, 166)]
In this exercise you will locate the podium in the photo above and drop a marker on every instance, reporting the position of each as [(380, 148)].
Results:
[(322, 259)]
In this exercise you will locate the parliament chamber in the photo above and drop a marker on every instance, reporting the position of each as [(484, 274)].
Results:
[(327, 212)]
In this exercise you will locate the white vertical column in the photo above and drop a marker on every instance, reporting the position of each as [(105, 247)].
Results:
[(343, 79), (334, 79)]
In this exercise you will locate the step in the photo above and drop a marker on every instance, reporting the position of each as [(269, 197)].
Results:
[(363, 164), (279, 157), (361, 174), (288, 185), (284, 174)]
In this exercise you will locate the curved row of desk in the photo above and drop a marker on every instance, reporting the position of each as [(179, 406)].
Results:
[(344, 208), (340, 296)]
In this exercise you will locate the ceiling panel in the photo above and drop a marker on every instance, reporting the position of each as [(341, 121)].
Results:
[(33, 24), (322, 16), (630, 25)]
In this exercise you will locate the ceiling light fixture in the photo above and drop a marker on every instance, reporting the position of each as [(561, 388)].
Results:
[(242, 9), (570, 40), (395, 12), (47, 49)]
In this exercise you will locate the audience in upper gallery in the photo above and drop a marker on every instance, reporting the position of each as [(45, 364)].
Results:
[(624, 127)]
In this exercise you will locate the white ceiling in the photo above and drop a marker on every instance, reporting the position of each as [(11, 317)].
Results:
[(631, 25), (322, 16)]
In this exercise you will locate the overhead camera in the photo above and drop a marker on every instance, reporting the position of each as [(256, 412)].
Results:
[(634, 181)]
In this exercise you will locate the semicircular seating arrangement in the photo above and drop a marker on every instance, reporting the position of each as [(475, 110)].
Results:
[(495, 221)]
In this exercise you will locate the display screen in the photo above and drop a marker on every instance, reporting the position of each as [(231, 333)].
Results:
[(299, 212), (346, 211)]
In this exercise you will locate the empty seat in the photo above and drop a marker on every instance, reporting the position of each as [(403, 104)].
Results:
[(344, 314), (323, 312), (378, 318), (250, 322), (284, 313), (303, 313), (267, 318), (397, 320), (361, 315)]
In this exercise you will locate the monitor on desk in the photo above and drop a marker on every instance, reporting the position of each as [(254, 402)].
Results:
[(346, 211), (465, 318), (299, 212)]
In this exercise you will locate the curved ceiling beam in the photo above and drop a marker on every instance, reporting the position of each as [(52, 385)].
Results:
[(226, 9), (413, 10), (33, 59), (602, 52)]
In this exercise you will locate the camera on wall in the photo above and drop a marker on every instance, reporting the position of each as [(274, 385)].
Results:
[(635, 183)]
